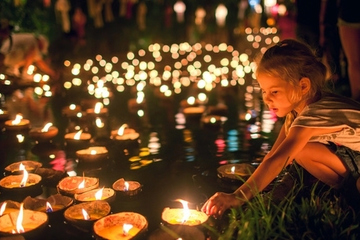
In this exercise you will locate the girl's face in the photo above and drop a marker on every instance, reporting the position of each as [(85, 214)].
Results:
[(275, 93)]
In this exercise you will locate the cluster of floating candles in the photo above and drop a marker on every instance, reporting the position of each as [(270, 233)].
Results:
[(191, 65), (202, 66)]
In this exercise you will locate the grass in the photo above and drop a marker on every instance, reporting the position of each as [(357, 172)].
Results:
[(293, 209)]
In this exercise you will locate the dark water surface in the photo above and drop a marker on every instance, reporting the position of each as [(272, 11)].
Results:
[(180, 161), (179, 155)]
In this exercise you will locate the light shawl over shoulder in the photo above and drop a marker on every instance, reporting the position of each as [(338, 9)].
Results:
[(333, 111)]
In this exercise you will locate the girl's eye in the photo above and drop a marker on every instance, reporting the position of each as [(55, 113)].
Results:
[(274, 92)]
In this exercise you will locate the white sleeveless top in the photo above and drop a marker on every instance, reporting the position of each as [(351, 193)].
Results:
[(333, 111)]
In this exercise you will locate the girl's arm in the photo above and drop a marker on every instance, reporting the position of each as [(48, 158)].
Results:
[(284, 151), (282, 154)]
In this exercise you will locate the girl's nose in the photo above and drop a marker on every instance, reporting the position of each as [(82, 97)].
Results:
[(266, 98)]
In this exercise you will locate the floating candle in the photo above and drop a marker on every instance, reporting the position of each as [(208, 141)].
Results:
[(97, 110), (124, 133), (77, 140), (92, 154), (239, 171), (22, 222), (83, 215), (127, 188), (77, 184), (16, 187), (29, 165), (17, 124), (52, 204), (80, 135), (193, 114), (121, 226), (45, 133), (8, 206), (183, 216), (106, 194), (20, 181)]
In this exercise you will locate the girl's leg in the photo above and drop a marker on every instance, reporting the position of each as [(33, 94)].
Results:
[(322, 163)]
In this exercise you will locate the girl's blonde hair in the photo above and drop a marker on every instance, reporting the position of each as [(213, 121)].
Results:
[(292, 60)]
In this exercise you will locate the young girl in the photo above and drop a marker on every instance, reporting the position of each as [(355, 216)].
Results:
[(321, 130)]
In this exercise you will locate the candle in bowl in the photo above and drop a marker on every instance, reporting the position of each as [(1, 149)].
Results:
[(106, 194), (124, 133), (43, 134), (76, 185), (98, 110), (18, 186), (27, 223), (55, 205), (17, 167), (92, 154), (125, 139), (77, 140), (18, 124), (193, 114), (183, 216), (9, 206), (127, 188), (121, 226), (83, 215), (235, 172)]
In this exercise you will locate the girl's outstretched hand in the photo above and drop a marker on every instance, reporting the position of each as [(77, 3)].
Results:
[(219, 203)]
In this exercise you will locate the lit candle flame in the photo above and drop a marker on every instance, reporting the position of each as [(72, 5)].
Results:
[(46, 127), (126, 228), (2, 209), (126, 186), (1, 111), (93, 152), (48, 207), (85, 214), (233, 169), (98, 194), (99, 123), (186, 211), (17, 119), (21, 167), (98, 107), (122, 129), (77, 135), (19, 226), (24, 179), (82, 184)]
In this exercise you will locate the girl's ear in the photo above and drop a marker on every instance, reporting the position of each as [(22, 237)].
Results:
[(305, 85)]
